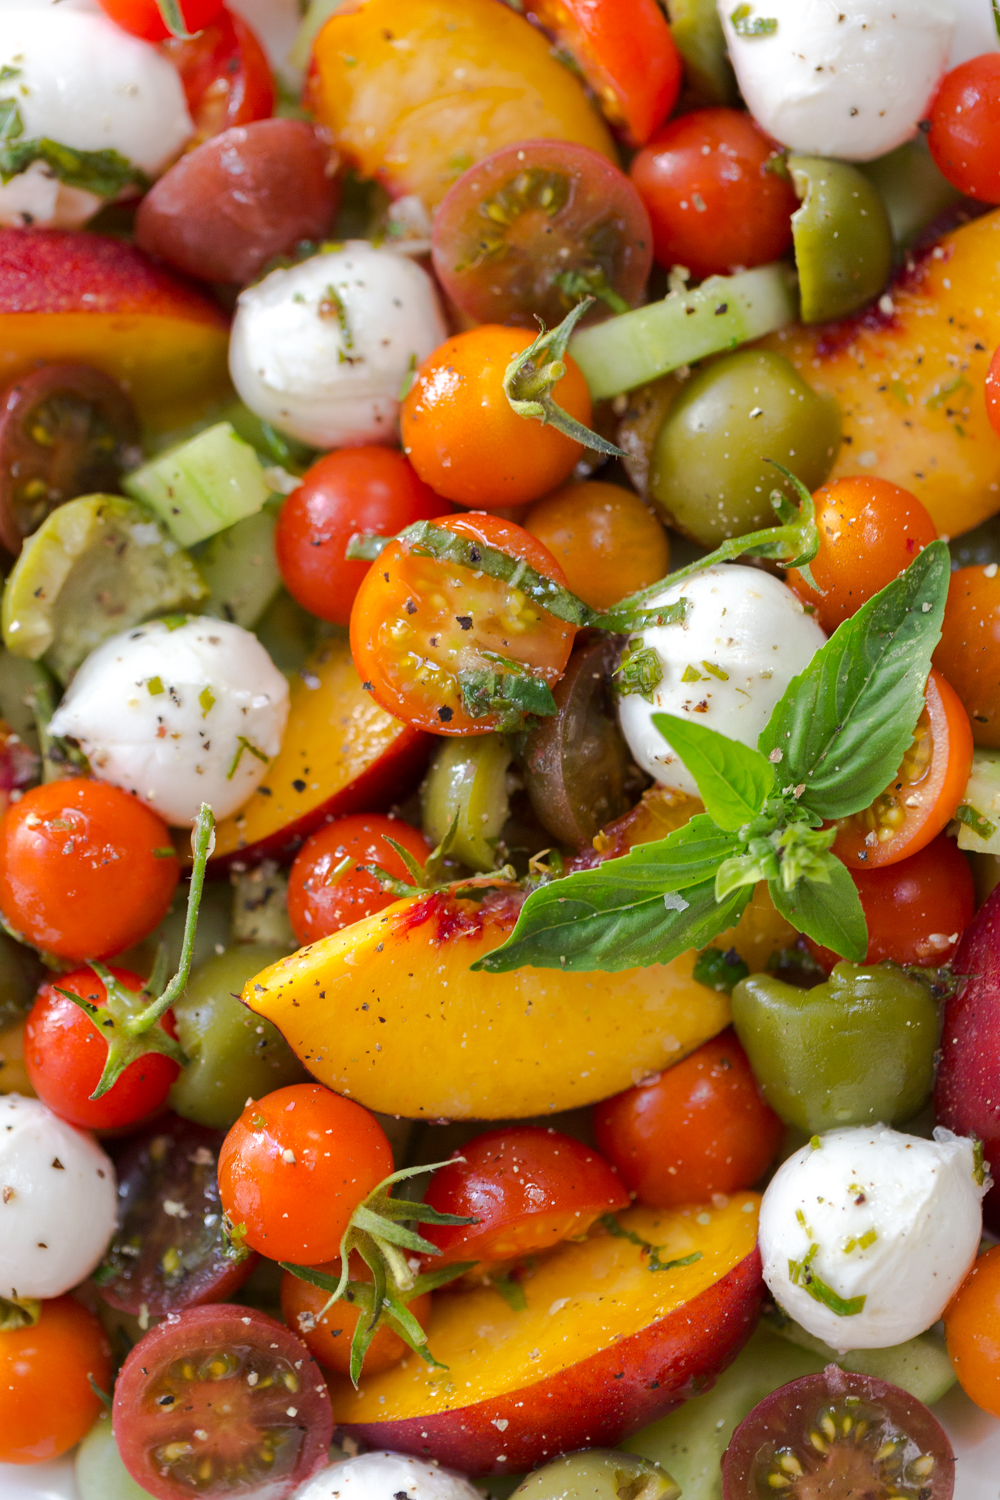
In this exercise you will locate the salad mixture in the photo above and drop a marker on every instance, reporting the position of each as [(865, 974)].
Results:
[(499, 746)]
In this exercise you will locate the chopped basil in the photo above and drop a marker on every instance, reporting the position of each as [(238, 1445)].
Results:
[(103, 173)]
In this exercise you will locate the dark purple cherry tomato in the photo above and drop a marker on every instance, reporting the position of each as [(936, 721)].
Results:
[(65, 430), (839, 1434), (535, 227), (227, 207), (169, 1251), (575, 763), (221, 1401)]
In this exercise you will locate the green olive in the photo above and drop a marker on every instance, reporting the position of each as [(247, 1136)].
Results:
[(599, 1474), (701, 42), (710, 469), (468, 777), (842, 236), (233, 1053)]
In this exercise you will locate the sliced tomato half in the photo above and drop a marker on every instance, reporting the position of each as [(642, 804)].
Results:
[(226, 76)]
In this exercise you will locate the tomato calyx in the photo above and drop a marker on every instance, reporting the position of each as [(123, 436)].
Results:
[(426, 879), (19, 1312), (173, 19), (531, 375), (129, 1033)]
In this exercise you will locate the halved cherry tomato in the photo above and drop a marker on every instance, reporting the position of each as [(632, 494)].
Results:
[(625, 51), (355, 490), (606, 540), (916, 909), (968, 652), (924, 794), (869, 532), (226, 76), (464, 438), (714, 197), (47, 1402), (426, 635), (700, 1128), (322, 897), (993, 392), (145, 17), (965, 124), (86, 870), (219, 1401), (535, 227), (528, 1187), (972, 1329), (328, 1337), (294, 1168), (65, 1054)]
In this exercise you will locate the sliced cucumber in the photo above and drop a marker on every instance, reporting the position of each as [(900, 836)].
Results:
[(260, 907), (241, 569), (920, 1366), (979, 810), (19, 681), (724, 312), (94, 567), (203, 486), (913, 190), (100, 1473)]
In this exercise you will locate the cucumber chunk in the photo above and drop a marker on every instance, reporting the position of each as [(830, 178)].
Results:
[(203, 486), (978, 811), (920, 1366), (241, 569)]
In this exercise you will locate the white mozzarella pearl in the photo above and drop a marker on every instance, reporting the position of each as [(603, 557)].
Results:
[(383, 1476)]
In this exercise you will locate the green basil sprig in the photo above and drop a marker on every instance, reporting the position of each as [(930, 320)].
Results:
[(832, 744)]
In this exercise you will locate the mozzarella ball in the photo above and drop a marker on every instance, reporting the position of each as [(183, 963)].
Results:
[(744, 638), (874, 1214), (58, 1201), (975, 31), (178, 715), (384, 1476), (852, 79), (321, 350), (82, 81)]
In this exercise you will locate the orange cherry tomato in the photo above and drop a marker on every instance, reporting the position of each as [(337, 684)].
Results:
[(607, 542), (700, 1128), (993, 393), (295, 1166), (226, 76), (46, 1400), (968, 652), (922, 797), (419, 626), (869, 532), (462, 435), (972, 1331), (320, 900), (328, 1338)]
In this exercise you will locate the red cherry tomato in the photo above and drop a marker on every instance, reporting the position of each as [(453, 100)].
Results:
[(320, 900), (916, 909), (145, 17), (226, 76), (965, 127), (47, 1402), (923, 795), (528, 1186), (83, 869), (714, 197), (294, 1168), (355, 490), (221, 1401), (700, 1128), (65, 1054), (993, 393)]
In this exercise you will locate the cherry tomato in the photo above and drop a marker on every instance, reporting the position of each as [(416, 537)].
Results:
[(626, 53), (328, 1338), (715, 194), (968, 652), (145, 17), (424, 633), (65, 1053), (46, 1400), (965, 125), (355, 490), (972, 1330), (321, 900), (607, 542), (528, 1186), (462, 435), (219, 1401), (226, 76), (700, 1128), (83, 869), (916, 909), (869, 532), (875, 1440), (535, 227), (925, 792), (993, 393), (294, 1168)]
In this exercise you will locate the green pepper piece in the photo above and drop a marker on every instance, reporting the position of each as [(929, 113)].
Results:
[(842, 237), (708, 75), (856, 1049), (468, 779)]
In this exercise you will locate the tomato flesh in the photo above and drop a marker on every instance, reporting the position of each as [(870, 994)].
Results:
[(226, 76), (323, 897)]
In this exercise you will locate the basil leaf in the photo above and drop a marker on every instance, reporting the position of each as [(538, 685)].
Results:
[(829, 912), (104, 173), (845, 723), (733, 781)]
